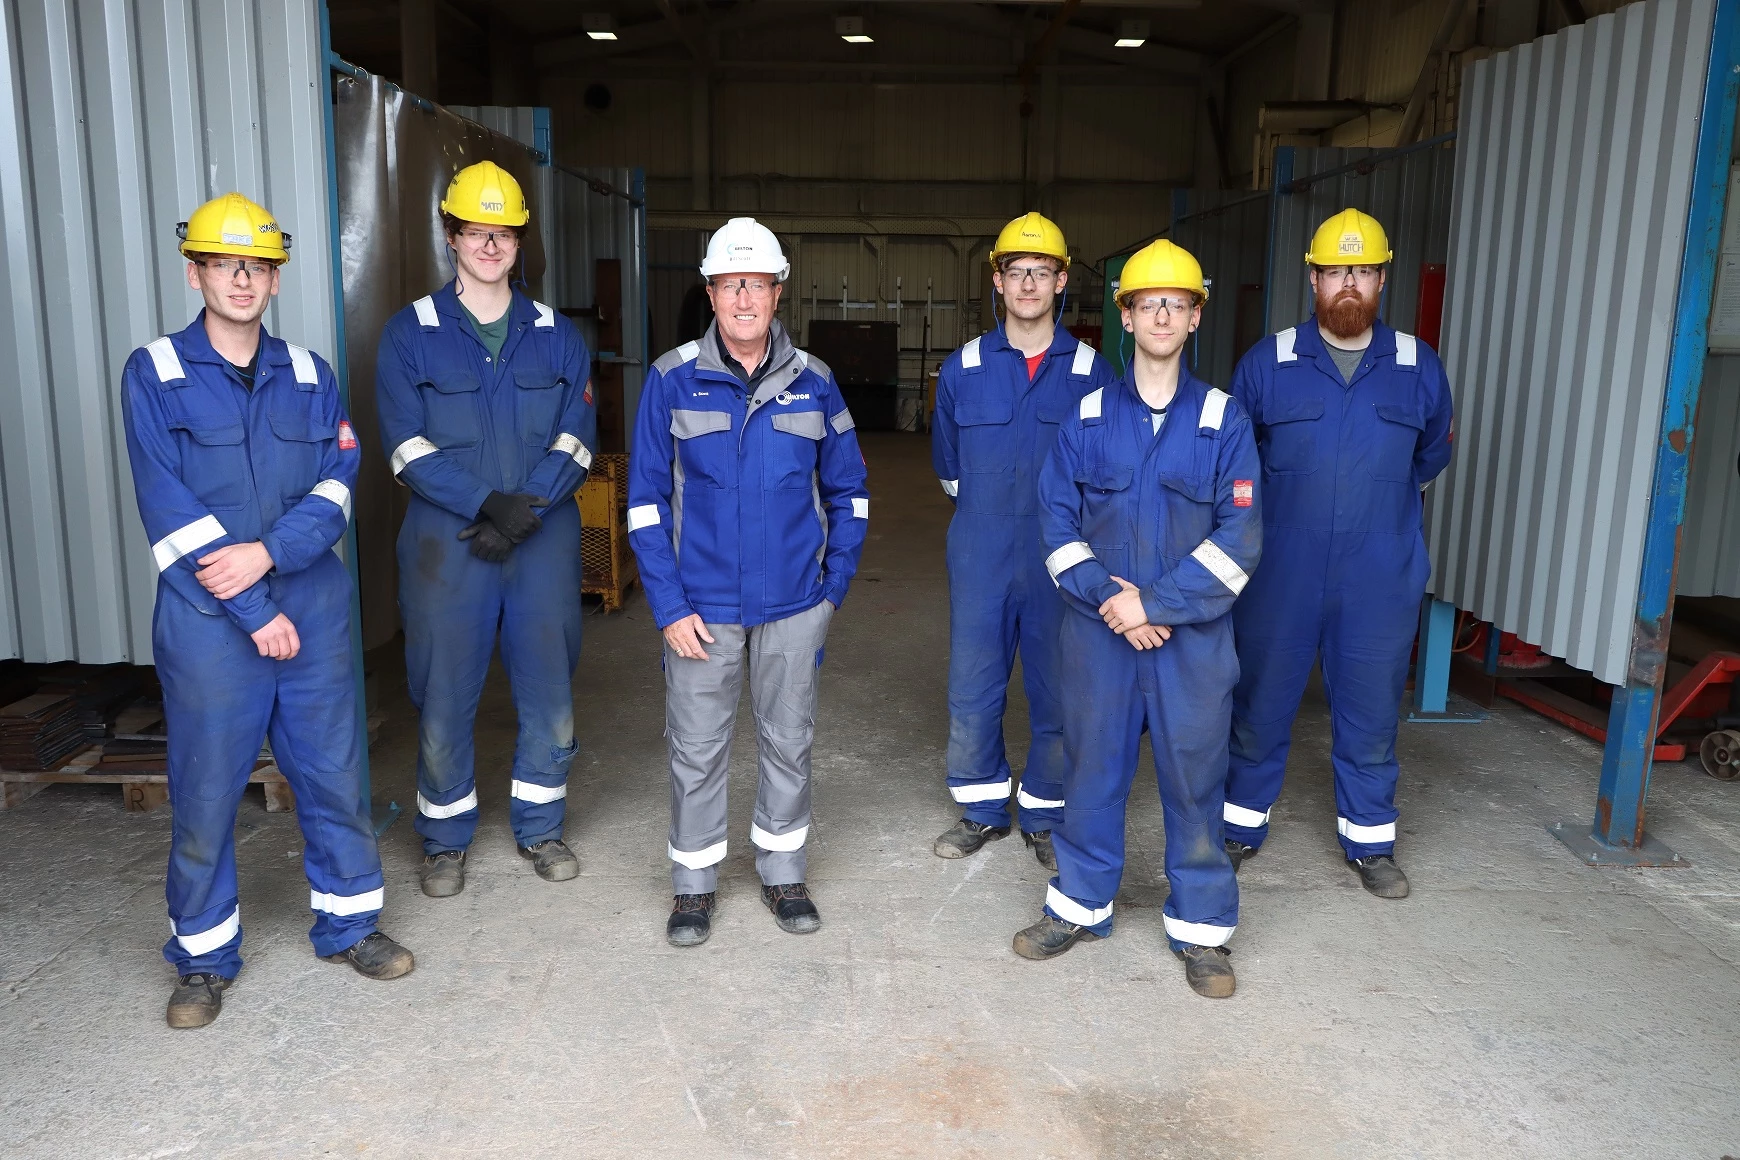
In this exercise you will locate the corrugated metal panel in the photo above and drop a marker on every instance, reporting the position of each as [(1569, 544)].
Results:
[(1382, 44), (647, 124), (1710, 537), (1409, 194), (1568, 233), (1113, 132), (1232, 245), (119, 119)]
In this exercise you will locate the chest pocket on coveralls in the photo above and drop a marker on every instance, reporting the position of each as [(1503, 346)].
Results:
[(537, 403), (792, 456), (1290, 434), (450, 402), (1189, 514), (1104, 494), (1394, 440), (984, 425), (214, 459), (298, 452), (704, 445)]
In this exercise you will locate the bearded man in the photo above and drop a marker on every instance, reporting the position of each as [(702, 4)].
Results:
[(1352, 422)]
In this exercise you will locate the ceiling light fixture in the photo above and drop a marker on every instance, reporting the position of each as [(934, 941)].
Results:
[(598, 25), (1131, 34), (852, 30)]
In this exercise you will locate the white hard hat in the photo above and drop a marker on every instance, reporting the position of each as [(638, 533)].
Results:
[(744, 246)]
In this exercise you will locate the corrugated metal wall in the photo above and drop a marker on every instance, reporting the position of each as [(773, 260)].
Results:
[(1568, 230), (1232, 245), (118, 120), (1409, 194), (1710, 537)]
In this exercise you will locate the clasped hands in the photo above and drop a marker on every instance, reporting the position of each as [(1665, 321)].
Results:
[(507, 520), (1125, 616), (231, 571)]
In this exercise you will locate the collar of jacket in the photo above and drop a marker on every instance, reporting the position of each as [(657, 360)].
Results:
[(195, 346), (1062, 342), (1308, 340), (447, 302), (1186, 400), (780, 351)]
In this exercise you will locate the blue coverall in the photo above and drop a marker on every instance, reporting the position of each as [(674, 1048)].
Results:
[(990, 435), (216, 464), (1344, 567), (459, 424), (1176, 514)]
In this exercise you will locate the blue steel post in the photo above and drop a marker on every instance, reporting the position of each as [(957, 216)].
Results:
[(341, 369), (1277, 190), (1432, 668), (1631, 726)]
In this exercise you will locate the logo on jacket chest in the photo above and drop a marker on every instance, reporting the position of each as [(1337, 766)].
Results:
[(786, 398)]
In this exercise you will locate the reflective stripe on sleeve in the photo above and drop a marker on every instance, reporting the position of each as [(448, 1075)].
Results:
[(207, 941), (1213, 409), (1366, 835), (951, 486), (970, 354), (1090, 403), (843, 422), (779, 843), (332, 489), (985, 792), (303, 364), (531, 791), (164, 358), (426, 315), (1284, 345), (699, 859), (1066, 558), (1240, 816), (345, 905), (451, 810), (1036, 803), (1196, 934), (571, 446), (860, 509), (186, 539), (1407, 350), (1225, 569), (411, 450), (1070, 910), (1084, 360), (644, 516)]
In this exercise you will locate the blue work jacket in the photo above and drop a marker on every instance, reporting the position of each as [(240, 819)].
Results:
[(1340, 456), (993, 426), (216, 464), (745, 506), (459, 424), (1177, 514)]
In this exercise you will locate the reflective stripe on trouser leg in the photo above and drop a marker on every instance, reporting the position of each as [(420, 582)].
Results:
[(783, 677), (1040, 797), (318, 748), (983, 564), (218, 696), (540, 649), (1102, 727), (700, 716), (451, 605), (1366, 645)]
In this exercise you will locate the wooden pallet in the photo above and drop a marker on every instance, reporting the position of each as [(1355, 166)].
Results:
[(141, 791), (607, 563)]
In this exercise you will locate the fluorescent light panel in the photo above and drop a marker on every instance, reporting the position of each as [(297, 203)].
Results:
[(851, 30), (599, 25), (1131, 34)]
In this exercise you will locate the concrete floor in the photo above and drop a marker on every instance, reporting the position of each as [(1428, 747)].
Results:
[(1518, 1004)]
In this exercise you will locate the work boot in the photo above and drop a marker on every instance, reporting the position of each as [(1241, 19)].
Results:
[(792, 908), (196, 1000), (1039, 841), (965, 838), (443, 874), (1380, 875), (553, 860), (1239, 852), (1050, 937), (1209, 971), (376, 957), (691, 919)]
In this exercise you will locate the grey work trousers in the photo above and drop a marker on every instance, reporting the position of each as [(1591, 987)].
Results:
[(700, 717)]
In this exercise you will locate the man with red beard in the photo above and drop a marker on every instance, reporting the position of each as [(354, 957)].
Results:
[(1352, 422)]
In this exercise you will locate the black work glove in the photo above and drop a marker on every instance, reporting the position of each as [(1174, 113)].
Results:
[(512, 515), (487, 543)]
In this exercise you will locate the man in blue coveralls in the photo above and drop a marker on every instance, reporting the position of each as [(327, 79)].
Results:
[(1149, 511), (486, 411), (1353, 421), (999, 400), (747, 511), (243, 461)]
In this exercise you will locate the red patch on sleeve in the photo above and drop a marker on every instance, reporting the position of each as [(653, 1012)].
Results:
[(346, 438), (586, 395), (1241, 493)]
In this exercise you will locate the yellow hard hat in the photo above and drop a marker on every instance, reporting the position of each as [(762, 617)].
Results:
[(232, 224), (1350, 238), (1160, 265), (1031, 233), (487, 194)]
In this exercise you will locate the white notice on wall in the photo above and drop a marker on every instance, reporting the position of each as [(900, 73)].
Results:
[(1725, 310)]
